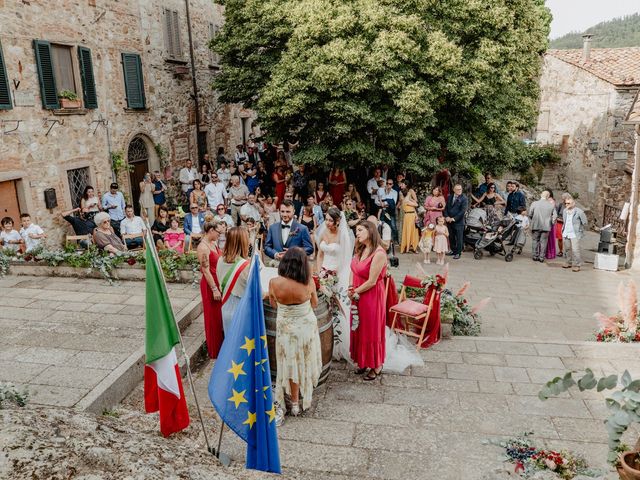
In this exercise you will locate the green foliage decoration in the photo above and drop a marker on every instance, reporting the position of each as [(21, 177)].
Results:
[(118, 163), (10, 394), (68, 95)]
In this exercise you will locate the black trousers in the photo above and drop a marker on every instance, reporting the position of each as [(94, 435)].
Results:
[(456, 237)]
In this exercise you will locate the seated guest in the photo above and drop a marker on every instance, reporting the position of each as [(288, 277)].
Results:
[(250, 210), (173, 238), (81, 224), (104, 236), (132, 225), (193, 221), (160, 226), (222, 215), (10, 239), (31, 233)]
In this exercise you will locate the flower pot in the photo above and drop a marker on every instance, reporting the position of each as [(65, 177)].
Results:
[(66, 103), (629, 466)]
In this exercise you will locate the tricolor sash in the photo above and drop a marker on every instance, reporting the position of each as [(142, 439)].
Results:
[(230, 279)]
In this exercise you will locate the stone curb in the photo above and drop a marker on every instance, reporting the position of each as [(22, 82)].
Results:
[(121, 381), (542, 341)]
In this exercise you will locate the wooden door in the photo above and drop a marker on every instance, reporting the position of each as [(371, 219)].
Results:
[(136, 176), (9, 206)]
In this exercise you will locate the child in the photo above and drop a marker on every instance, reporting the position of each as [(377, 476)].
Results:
[(441, 242), (252, 226), (30, 233), (522, 218), (10, 239), (426, 241), (174, 237)]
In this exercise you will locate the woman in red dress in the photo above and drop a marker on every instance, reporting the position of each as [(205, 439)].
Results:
[(280, 181), (208, 254), (368, 302), (337, 183), (321, 193)]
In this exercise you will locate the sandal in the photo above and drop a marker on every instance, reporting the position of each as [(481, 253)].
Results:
[(372, 375), (360, 371)]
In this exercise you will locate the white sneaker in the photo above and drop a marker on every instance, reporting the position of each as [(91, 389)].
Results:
[(427, 262), (295, 409)]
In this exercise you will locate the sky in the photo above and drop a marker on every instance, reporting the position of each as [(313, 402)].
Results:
[(578, 15)]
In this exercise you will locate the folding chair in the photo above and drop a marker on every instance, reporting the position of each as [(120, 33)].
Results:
[(190, 244), (413, 315), (77, 239), (132, 236)]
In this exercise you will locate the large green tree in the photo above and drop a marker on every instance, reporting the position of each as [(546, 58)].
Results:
[(367, 81)]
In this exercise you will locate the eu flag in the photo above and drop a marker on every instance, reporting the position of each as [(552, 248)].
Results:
[(240, 383)]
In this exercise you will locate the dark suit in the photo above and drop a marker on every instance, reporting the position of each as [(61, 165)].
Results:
[(298, 237), (456, 210)]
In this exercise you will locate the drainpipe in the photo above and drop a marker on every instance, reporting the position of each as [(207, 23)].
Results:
[(194, 83)]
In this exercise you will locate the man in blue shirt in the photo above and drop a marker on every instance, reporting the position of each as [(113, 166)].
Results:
[(159, 197), (113, 203), (515, 199)]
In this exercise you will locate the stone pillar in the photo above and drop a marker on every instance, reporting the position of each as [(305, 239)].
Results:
[(632, 248)]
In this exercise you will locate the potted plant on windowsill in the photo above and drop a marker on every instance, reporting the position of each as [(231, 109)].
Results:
[(69, 99), (624, 409)]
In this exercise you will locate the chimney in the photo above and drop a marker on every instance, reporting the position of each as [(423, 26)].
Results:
[(586, 47)]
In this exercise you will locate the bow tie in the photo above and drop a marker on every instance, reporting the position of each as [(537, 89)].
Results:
[(286, 226)]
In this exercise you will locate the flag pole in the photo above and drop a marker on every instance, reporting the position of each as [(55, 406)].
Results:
[(156, 257)]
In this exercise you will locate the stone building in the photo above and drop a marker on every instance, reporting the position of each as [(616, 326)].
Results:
[(585, 97), (129, 63)]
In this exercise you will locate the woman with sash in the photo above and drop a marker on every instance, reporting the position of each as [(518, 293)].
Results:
[(233, 272)]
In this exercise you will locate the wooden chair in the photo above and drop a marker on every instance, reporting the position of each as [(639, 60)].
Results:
[(80, 238), (413, 315), (191, 244), (132, 236)]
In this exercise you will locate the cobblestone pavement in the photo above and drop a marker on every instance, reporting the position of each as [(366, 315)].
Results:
[(61, 337)]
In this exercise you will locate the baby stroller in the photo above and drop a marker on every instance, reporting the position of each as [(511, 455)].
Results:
[(496, 239), (475, 226)]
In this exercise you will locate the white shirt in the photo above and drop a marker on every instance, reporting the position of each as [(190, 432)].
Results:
[(285, 232), (13, 236), (187, 176), (31, 243), (372, 186), (248, 210), (224, 175), (386, 231), (569, 231), (225, 218), (383, 195), (195, 224), (132, 226), (216, 193)]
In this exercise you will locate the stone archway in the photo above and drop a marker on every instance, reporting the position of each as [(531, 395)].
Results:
[(142, 158)]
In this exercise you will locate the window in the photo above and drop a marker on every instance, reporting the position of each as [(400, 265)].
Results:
[(57, 72), (214, 58), (133, 81), (78, 180), (5, 93), (172, 34)]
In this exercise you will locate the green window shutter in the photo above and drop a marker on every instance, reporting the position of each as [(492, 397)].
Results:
[(88, 80), (133, 82), (5, 93), (44, 61)]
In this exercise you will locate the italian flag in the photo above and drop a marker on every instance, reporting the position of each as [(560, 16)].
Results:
[(162, 383)]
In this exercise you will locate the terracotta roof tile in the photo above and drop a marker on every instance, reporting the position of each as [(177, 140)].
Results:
[(618, 66)]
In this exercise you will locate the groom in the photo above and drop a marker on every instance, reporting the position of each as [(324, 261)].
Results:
[(287, 233)]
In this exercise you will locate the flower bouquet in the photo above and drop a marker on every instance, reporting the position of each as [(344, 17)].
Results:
[(624, 326)]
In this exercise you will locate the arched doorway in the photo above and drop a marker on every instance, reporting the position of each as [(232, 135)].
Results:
[(138, 158)]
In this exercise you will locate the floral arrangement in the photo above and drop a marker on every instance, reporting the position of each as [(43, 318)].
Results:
[(528, 458), (624, 326), (466, 320), (328, 286)]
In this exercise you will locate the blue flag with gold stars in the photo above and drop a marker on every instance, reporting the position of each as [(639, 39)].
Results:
[(240, 383)]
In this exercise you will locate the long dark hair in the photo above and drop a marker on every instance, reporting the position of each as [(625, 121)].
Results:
[(85, 194), (295, 265), (374, 237)]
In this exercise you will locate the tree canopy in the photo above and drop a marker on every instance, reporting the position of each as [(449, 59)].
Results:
[(387, 81)]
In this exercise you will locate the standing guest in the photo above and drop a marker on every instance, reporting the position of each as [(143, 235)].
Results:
[(426, 241), (220, 158), (174, 237), (222, 216), (187, 175), (368, 299), (104, 235), (434, 206), (208, 256), (551, 242), (224, 174), (232, 269), (384, 231), (238, 197), (301, 182), (250, 210), (542, 215), (320, 194), (484, 187), (31, 233), (308, 219), (298, 351), (198, 196), (147, 204), (315, 208), (280, 182), (160, 226), (266, 183), (410, 235), (89, 203), (353, 194), (489, 198), (270, 211), (441, 240), (574, 222), (287, 233), (252, 155), (159, 189), (400, 178), (350, 213), (454, 216), (560, 221), (113, 203), (10, 239), (205, 175), (515, 199), (337, 184), (132, 225), (372, 189), (216, 192), (193, 222), (388, 201), (252, 180), (240, 156)]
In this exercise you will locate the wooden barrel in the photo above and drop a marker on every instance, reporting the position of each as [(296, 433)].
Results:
[(325, 329)]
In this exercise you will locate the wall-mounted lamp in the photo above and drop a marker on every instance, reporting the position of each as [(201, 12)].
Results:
[(593, 145)]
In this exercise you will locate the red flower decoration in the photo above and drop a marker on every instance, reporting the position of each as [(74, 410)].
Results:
[(131, 261), (316, 280)]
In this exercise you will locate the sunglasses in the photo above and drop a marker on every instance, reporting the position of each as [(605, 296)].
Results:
[(221, 209), (194, 208)]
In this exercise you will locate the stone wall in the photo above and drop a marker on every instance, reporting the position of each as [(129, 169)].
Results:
[(37, 158)]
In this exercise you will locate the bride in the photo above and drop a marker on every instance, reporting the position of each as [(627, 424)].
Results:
[(333, 264)]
